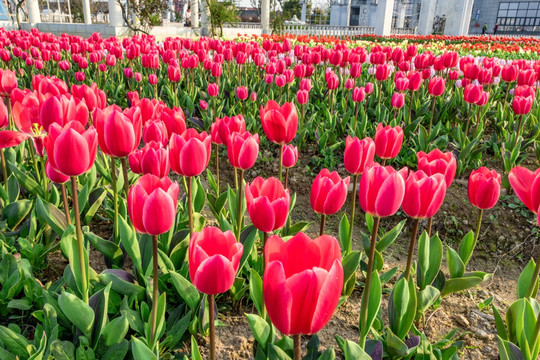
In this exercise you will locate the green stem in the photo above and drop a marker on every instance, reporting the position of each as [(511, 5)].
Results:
[(280, 161), (80, 244), (534, 279), (4, 170), (125, 174), (428, 226), (432, 112), (323, 220), (286, 177), (353, 207), (115, 200), (239, 209), (412, 244), (478, 225), (211, 321), (33, 157), (190, 206), (365, 296), (217, 168), (155, 292)]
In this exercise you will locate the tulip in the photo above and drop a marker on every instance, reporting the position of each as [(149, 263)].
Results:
[(243, 149), (280, 124), (203, 105), (302, 284), (155, 130), (397, 101), (526, 185), (152, 208), (328, 194), (151, 159), (388, 141), (189, 155), (213, 90), (242, 93), (424, 196), (437, 162), (138, 77), (302, 97), (436, 88), (267, 202)]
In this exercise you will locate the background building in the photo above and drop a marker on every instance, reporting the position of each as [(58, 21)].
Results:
[(513, 17)]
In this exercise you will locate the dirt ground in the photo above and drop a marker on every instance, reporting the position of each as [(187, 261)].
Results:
[(506, 243)]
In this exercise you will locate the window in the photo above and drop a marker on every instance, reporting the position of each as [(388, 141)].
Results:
[(520, 16)]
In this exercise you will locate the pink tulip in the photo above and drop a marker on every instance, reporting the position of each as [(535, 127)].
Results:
[(190, 152), (382, 190), (243, 149), (268, 203), (328, 192)]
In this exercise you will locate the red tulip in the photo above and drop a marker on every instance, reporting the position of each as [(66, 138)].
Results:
[(243, 149), (214, 258), (152, 79), (151, 159), (424, 194), (369, 87), (402, 84), (382, 72), (436, 86), (242, 92), (203, 105), (398, 100), (302, 97), (359, 154), (415, 80), (328, 192), (10, 138), (267, 203), (71, 149), (382, 190), (174, 120), (279, 123), (509, 73), (332, 80), (290, 156), (388, 141), (152, 204), (119, 134), (213, 90), (522, 104), (229, 125), (4, 120), (526, 77), (305, 84), (190, 152), (484, 188), (155, 130), (526, 185), (281, 81), (173, 73), (54, 175), (358, 94), (8, 81), (472, 93), (437, 162), (302, 282)]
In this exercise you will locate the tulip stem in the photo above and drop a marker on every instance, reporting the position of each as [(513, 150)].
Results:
[(365, 296), (353, 207), (239, 209), (297, 341), (155, 292), (286, 178), (125, 173), (432, 112), (518, 130), (532, 284), (80, 245), (115, 199), (323, 220), (236, 179), (356, 117), (412, 245), (428, 226), (468, 124), (217, 168), (190, 205), (4, 170), (478, 225), (64, 200), (33, 157), (410, 107), (211, 326), (280, 162)]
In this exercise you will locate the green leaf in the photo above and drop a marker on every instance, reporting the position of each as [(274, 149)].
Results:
[(116, 351), (430, 253), (99, 302), (276, 353), (388, 238), (186, 290), (140, 351), (160, 321), (509, 351), (107, 248), (16, 343), (131, 245), (329, 354), (26, 181), (344, 234), (259, 328), (466, 247), (69, 246), (63, 350), (122, 282), (396, 347), (256, 290), (248, 245), (427, 297), (524, 280), (195, 353), (374, 303), (77, 311), (499, 323), (115, 331), (16, 212), (456, 267), (50, 214), (461, 283), (402, 307), (351, 350)]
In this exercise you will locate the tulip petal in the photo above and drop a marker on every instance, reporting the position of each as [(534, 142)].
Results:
[(215, 275), (328, 297), (277, 297)]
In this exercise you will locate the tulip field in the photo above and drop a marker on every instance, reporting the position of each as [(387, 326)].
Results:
[(272, 197)]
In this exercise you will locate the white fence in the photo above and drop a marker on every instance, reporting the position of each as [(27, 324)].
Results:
[(328, 30)]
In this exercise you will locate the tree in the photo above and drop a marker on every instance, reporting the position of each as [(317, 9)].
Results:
[(221, 12), (291, 8), (147, 12)]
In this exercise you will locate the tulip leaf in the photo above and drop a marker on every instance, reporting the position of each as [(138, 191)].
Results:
[(13, 187), (131, 245), (62, 350), (395, 346), (117, 351), (160, 320), (186, 290), (77, 311), (430, 252), (122, 282), (99, 302), (69, 246), (374, 303), (351, 350), (114, 332), (328, 354), (427, 297), (200, 196), (509, 351), (16, 212), (466, 247), (456, 267), (248, 237), (95, 200), (259, 328), (402, 307), (106, 247), (47, 212), (500, 325), (26, 181), (141, 352), (344, 232), (524, 281), (391, 236), (256, 290), (276, 353), (195, 353), (15, 343), (457, 284)]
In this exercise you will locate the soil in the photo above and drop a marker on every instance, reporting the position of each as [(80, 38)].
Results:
[(506, 243)]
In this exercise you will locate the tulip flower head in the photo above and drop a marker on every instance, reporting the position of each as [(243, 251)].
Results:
[(484, 188), (267, 203), (359, 154), (290, 156), (190, 152), (388, 141), (328, 192), (279, 123), (243, 149), (437, 162), (382, 190), (424, 194), (526, 185)]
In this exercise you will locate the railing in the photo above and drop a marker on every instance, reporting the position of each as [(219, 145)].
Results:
[(243, 25), (328, 30), (403, 31)]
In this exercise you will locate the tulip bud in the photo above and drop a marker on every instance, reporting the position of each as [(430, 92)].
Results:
[(290, 156)]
